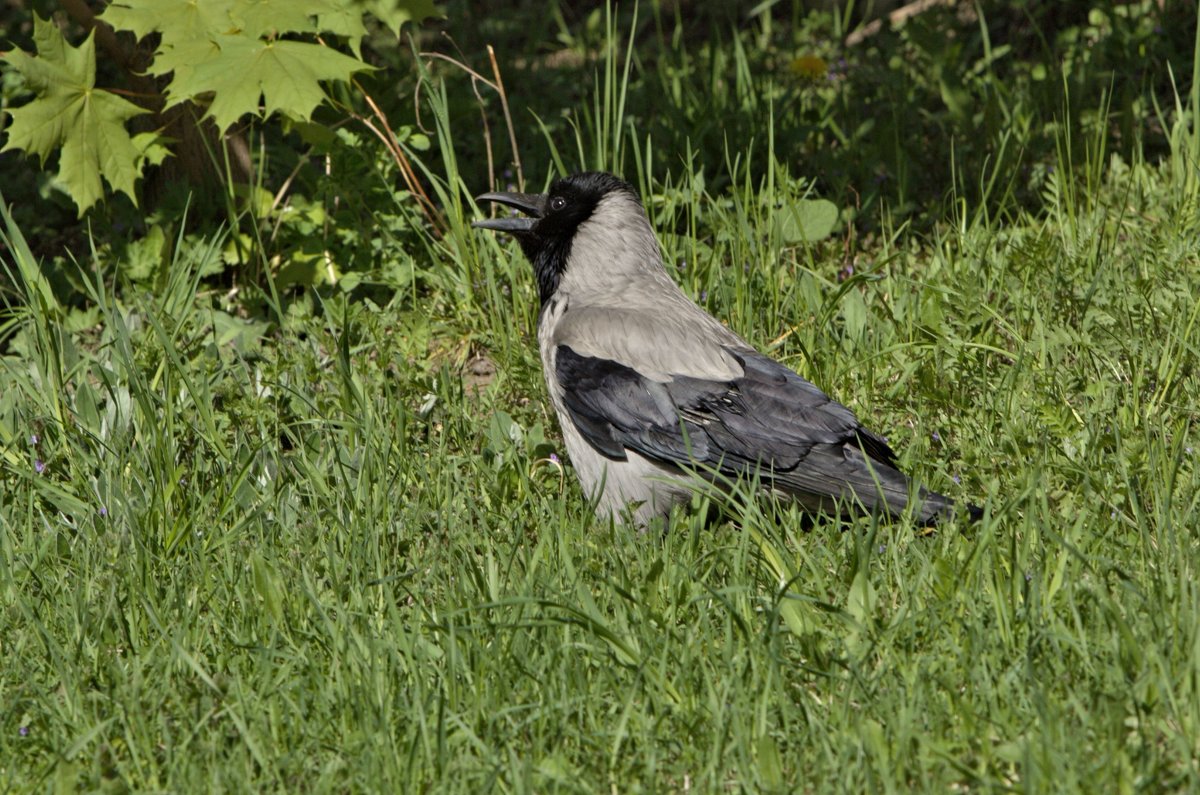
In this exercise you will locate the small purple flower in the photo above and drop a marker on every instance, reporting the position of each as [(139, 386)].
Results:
[(554, 458), (703, 296), (1112, 514), (34, 439), (103, 511), (936, 437), (23, 731), (1188, 449), (39, 465), (845, 273), (956, 478), (882, 548)]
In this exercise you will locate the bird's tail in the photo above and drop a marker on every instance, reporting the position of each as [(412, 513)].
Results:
[(892, 492), (933, 509)]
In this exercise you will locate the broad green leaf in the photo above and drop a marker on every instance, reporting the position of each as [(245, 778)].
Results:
[(257, 199), (87, 408), (151, 147), (854, 314), (958, 99), (860, 601), (179, 21), (244, 335), (770, 762), (270, 17), (107, 150), (394, 13), (57, 62), (80, 319), (70, 114), (806, 220), (286, 75), (142, 259), (182, 58), (267, 586), (306, 268), (345, 20), (318, 135), (187, 28)]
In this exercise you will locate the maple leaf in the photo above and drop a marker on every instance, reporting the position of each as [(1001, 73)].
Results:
[(187, 29), (345, 20), (272, 17), (179, 21), (394, 13), (190, 30), (70, 114), (285, 74)]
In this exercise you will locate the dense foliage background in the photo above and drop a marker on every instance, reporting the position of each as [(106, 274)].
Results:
[(283, 504)]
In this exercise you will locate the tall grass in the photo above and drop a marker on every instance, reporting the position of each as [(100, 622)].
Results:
[(312, 557)]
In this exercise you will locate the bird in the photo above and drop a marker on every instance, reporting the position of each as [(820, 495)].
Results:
[(652, 392)]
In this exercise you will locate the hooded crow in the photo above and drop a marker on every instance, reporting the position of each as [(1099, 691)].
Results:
[(652, 391)]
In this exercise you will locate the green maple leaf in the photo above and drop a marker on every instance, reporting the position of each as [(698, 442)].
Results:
[(346, 20), (285, 74), (394, 13), (190, 30), (270, 17), (183, 58), (179, 21), (60, 63), (70, 114), (187, 28)]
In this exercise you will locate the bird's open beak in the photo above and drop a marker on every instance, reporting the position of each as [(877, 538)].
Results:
[(532, 204)]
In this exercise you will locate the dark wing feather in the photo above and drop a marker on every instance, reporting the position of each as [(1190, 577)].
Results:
[(768, 420), (615, 409)]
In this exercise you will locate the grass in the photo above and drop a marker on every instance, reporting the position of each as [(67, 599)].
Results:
[(311, 556)]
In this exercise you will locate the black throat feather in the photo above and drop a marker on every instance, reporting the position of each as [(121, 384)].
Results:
[(549, 260), (547, 245)]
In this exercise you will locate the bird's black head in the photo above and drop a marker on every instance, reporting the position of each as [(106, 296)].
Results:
[(552, 219)]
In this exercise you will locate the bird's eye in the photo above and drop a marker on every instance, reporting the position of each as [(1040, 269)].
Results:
[(557, 203)]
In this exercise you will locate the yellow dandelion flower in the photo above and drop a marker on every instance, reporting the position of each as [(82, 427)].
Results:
[(811, 67)]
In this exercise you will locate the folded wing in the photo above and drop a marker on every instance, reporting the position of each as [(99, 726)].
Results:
[(768, 420)]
